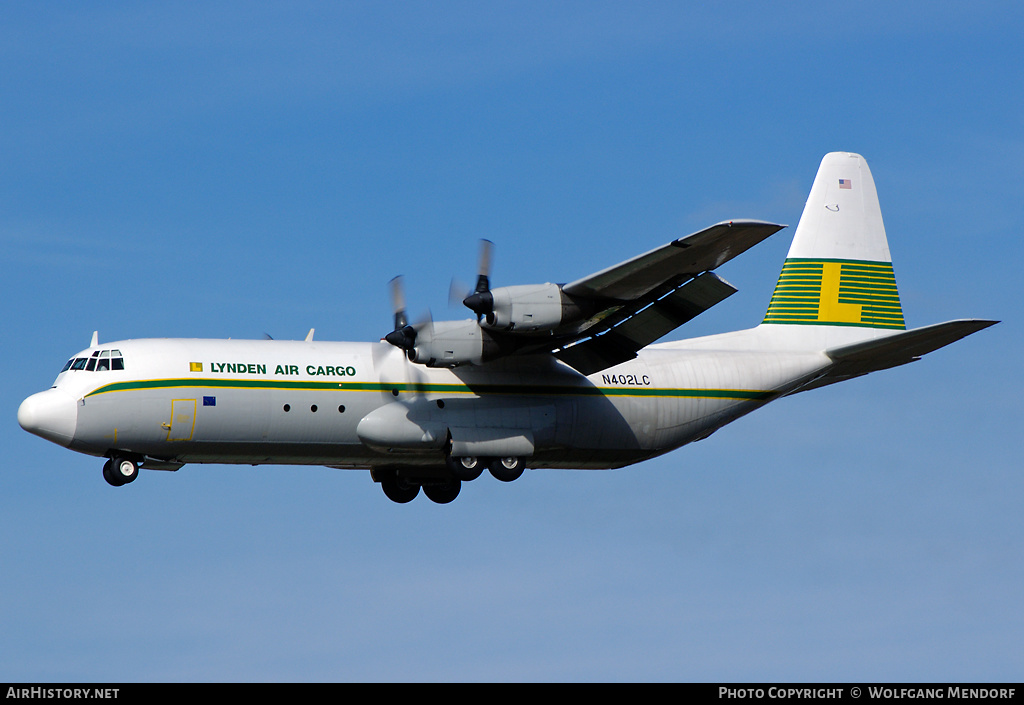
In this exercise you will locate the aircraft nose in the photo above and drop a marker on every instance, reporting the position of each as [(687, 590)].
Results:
[(52, 414)]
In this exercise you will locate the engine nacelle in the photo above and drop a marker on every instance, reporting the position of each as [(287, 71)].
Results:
[(452, 343), (530, 308)]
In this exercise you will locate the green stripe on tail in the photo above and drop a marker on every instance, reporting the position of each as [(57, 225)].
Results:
[(834, 292)]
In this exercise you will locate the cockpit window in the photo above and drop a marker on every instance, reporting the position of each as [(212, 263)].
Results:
[(99, 361)]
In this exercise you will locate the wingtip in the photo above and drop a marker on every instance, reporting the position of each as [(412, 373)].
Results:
[(749, 222)]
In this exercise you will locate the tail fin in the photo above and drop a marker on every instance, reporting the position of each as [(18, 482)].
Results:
[(838, 272)]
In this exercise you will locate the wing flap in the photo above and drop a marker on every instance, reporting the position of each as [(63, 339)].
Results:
[(672, 311), (622, 341), (597, 354)]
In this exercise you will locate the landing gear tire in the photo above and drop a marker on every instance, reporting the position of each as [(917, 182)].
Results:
[(443, 494), (507, 469), (398, 489), (109, 476), (120, 471), (467, 468)]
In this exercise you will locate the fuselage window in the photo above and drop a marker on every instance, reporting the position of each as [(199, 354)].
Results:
[(104, 364), (67, 365), (79, 363), (91, 365)]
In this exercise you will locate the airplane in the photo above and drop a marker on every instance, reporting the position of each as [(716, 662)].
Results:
[(545, 376)]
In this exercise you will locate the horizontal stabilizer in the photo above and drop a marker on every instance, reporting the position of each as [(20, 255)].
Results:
[(894, 350)]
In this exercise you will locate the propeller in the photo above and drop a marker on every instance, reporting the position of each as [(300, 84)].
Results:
[(480, 301), (404, 335), (457, 291), (398, 302)]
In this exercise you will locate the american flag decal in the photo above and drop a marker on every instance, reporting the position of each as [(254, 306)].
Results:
[(845, 183)]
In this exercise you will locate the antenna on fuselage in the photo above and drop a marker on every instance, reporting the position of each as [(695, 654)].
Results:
[(95, 339)]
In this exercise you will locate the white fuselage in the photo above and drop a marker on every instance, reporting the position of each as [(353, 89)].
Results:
[(364, 405)]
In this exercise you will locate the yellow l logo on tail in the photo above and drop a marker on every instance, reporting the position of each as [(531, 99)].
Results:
[(829, 308), (837, 293)]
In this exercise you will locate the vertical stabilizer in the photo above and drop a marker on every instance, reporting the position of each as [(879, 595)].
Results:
[(838, 273)]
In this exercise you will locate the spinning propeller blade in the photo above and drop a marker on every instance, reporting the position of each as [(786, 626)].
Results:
[(404, 335), (480, 301)]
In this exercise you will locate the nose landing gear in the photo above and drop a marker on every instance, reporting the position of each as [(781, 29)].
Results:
[(120, 471)]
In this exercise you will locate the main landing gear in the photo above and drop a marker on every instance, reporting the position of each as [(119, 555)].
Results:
[(470, 467), (403, 486), (399, 488), (120, 471), (507, 469)]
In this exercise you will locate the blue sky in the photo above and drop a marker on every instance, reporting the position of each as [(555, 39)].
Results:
[(234, 169)]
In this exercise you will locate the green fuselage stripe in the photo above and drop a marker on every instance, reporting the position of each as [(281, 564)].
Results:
[(477, 389)]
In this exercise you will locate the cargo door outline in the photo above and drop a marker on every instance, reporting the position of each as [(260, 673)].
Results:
[(183, 420)]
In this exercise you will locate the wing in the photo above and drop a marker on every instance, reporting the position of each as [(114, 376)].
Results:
[(644, 298), (594, 322), (673, 263)]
